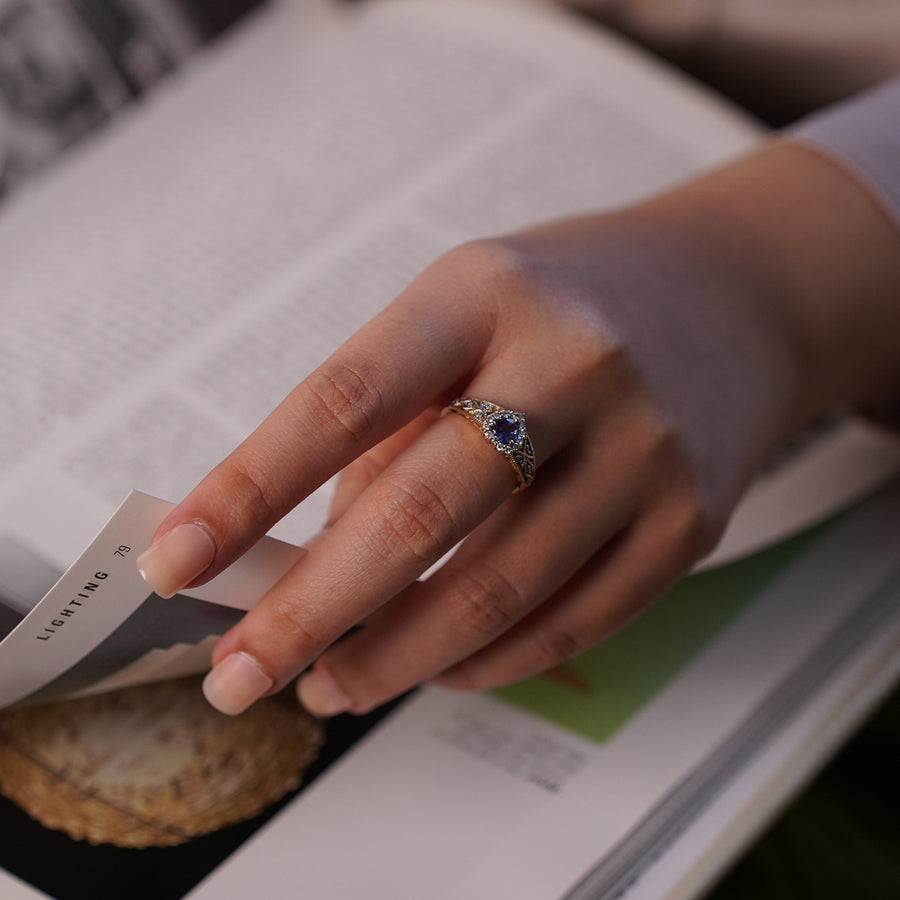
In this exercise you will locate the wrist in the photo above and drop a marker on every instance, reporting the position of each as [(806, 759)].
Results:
[(818, 255)]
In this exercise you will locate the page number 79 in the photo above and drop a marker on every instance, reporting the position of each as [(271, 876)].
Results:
[(122, 551)]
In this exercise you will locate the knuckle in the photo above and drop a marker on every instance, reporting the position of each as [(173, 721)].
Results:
[(252, 491), (695, 528), (554, 645), (662, 447), (345, 397), (502, 268), (363, 693), (673, 474), (599, 366), (485, 603), (415, 521), (287, 618), (690, 525), (682, 487), (461, 677), (359, 474)]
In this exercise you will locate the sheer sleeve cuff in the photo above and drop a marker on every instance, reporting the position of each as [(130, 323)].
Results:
[(864, 132)]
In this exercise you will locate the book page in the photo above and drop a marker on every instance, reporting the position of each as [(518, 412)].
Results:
[(167, 286), (101, 628), (67, 65), (164, 290)]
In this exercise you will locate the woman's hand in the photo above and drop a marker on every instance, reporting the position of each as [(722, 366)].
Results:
[(656, 353)]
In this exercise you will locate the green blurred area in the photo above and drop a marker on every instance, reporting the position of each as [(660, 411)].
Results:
[(599, 691)]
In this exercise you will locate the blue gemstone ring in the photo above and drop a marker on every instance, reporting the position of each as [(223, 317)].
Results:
[(505, 429)]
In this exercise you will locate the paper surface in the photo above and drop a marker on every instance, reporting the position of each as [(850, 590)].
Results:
[(467, 797), (164, 289), (100, 627)]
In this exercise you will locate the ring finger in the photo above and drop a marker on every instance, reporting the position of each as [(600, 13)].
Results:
[(522, 555)]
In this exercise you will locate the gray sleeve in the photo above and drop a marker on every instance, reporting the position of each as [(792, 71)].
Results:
[(864, 132)]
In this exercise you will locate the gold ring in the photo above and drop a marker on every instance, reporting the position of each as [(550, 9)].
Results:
[(505, 429)]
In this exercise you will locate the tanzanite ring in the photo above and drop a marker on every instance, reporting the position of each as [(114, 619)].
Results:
[(505, 429)]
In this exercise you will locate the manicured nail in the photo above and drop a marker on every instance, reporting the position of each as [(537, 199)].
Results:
[(235, 683), (176, 559), (321, 695)]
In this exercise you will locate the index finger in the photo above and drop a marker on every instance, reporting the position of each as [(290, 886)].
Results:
[(397, 365)]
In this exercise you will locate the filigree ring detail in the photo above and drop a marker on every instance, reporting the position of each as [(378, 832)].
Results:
[(505, 429)]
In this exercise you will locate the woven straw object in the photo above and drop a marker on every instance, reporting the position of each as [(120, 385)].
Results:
[(153, 765)]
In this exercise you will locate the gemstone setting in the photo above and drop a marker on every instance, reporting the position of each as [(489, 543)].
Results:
[(505, 430)]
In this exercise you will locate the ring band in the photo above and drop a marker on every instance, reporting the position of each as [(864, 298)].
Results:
[(505, 429)]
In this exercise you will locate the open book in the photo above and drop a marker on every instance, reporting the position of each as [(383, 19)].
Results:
[(172, 279)]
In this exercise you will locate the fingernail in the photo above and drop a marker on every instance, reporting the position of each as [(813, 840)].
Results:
[(321, 695), (176, 559), (236, 683)]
